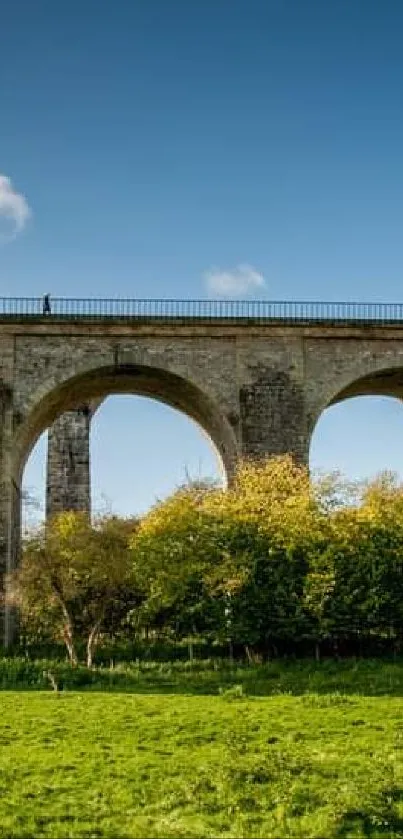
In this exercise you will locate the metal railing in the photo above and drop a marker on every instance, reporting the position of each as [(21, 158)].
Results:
[(256, 310)]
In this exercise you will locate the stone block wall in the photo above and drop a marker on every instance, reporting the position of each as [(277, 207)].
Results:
[(68, 481)]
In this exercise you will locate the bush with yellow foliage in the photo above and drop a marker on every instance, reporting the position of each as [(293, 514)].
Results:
[(75, 580)]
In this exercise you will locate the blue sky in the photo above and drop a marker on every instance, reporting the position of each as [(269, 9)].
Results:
[(157, 141)]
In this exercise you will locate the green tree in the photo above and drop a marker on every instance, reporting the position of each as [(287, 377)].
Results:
[(354, 586), (367, 557), (172, 551), (232, 562), (76, 580)]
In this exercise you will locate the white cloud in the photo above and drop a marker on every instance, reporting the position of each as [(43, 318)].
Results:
[(243, 279), (14, 210)]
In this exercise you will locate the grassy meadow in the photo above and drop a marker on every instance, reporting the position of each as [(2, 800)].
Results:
[(203, 750)]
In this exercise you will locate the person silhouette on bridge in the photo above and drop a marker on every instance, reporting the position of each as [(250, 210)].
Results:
[(46, 309)]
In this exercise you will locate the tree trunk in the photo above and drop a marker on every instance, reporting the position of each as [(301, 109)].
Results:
[(249, 655), (92, 643), (68, 631), (69, 642)]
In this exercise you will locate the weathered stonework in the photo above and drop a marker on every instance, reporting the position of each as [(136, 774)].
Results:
[(255, 389), (68, 479), (272, 415), (68, 473)]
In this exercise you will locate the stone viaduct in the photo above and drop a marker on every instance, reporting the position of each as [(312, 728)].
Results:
[(256, 382)]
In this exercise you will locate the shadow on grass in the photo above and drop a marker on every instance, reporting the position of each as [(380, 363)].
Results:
[(366, 677), (383, 821)]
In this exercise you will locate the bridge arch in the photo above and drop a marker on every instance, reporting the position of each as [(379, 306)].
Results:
[(100, 381), (384, 382)]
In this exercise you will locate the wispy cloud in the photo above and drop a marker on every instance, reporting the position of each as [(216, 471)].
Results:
[(14, 210), (241, 280)]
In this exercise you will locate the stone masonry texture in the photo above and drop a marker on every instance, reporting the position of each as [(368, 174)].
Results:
[(68, 463), (68, 473), (255, 389)]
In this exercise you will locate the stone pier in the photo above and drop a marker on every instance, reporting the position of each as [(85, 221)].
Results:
[(68, 479)]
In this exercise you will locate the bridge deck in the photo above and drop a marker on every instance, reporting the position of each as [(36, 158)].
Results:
[(64, 309)]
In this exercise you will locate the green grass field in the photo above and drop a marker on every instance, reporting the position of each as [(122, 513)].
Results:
[(284, 750)]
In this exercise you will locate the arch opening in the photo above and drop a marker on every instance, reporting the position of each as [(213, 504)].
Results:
[(360, 430), (165, 390), (141, 451)]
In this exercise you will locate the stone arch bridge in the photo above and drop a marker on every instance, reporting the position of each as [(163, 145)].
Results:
[(255, 377)]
